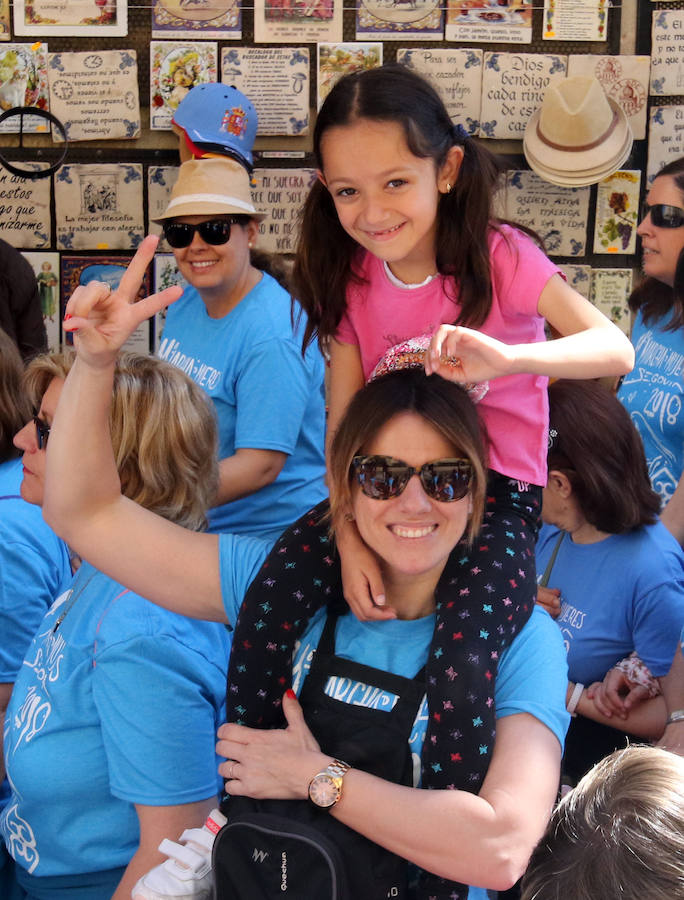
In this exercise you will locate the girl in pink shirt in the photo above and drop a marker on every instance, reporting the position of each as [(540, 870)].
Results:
[(398, 238)]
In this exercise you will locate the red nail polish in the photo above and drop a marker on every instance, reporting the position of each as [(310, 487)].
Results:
[(67, 316), (291, 694)]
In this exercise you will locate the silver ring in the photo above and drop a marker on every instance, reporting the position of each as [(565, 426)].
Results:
[(230, 774)]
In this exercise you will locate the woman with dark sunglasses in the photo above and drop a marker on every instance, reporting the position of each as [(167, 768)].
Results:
[(653, 392), (232, 332), (408, 463)]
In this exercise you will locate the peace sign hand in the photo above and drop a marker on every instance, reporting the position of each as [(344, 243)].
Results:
[(101, 320)]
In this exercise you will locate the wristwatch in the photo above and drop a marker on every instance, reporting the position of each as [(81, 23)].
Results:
[(325, 788)]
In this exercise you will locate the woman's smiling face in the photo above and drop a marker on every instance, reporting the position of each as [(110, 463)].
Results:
[(412, 535)]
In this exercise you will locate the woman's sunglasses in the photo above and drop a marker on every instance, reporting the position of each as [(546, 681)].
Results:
[(212, 231), (384, 477), (663, 216), (42, 432)]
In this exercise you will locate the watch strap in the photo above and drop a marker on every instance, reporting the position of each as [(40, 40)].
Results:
[(677, 715)]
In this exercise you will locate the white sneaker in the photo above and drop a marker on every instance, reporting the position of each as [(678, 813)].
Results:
[(186, 874)]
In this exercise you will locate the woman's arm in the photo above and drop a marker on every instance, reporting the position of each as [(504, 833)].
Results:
[(672, 515), (672, 686), (476, 839), (156, 823), (591, 346), (646, 720), (161, 561), (246, 472)]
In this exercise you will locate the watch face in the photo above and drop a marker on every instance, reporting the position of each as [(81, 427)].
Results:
[(324, 790)]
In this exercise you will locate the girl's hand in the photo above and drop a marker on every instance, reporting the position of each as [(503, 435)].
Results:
[(274, 764), (550, 600), (609, 695), (463, 355), (102, 320), (362, 585)]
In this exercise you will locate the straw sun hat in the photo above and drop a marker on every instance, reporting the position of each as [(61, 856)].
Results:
[(579, 135), (210, 187)]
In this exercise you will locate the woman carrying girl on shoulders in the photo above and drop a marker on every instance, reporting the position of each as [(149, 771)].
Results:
[(405, 199)]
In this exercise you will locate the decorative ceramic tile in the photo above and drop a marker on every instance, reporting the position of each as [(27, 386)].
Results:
[(25, 211), (667, 52), (297, 21), (623, 78), (69, 18), (197, 19), (175, 67), (336, 60), (276, 80), (456, 74), (46, 269), (489, 21), (513, 87), (396, 20), (610, 290), (557, 214), (99, 207), (665, 138), (95, 95), (23, 82), (617, 213), (280, 194)]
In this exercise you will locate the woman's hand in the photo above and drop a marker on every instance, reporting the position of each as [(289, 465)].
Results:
[(362, 585), (275, 764), (463, 355), (550, 600), (102, 320)]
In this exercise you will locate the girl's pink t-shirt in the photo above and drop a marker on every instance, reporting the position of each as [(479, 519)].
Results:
[(515, 410)]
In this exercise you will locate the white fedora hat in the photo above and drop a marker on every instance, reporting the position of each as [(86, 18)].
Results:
[(579, 135), (213, 186)]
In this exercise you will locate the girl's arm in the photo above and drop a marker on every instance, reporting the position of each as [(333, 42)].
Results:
[(590, 345), (156, 823), (345, 379), (476, 839), (176, 568), (361, 578)]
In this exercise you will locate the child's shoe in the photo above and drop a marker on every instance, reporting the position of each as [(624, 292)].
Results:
[(186, 874)]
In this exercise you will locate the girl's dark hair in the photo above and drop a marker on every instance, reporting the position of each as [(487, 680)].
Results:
[(326, 254), (15, 409), (655, 298), (593, 441)]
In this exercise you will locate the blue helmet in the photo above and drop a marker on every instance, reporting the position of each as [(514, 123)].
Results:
[(219, 118)]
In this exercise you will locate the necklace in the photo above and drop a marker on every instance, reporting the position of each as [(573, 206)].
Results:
[(74, 597)]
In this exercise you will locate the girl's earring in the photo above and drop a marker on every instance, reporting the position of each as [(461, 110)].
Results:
[(448, 187)]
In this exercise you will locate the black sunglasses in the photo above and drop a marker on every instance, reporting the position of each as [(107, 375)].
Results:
[(384, 477), (663, 216), (42, 432), (212, 231)]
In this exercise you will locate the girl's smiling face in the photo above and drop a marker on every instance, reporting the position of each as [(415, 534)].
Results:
[(386, 198)]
